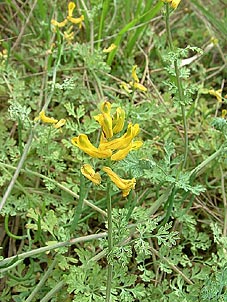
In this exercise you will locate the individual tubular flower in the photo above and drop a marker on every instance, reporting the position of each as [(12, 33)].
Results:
[(123, 141), (110, 48), (59, 24), (76, 20), (60, 123), (90, 173), (138, 86), (121, 154), (126, 185), (105, 120), (69, 35), (134, 75), (45, 119), (85, 145), (217, 94), (126, 87), (118, 120)]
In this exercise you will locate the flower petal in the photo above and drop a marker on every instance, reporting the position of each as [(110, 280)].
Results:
[(139, 86), (60, 123), (134, 75), (85, 145), (124, 184), (59, 24), (110, 48), (89, 172), (105, 121), (118, 120), (76, 20), (42, 117), (71, 7)]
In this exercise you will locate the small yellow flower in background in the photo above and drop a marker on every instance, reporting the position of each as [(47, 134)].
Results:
[(90, 173), (174, 3), (126, 87), (69, 35), (77, 20), (135, 84), (110, 48), (71, 7), (214, 40), (126, 185), (59, 24), (109, 147), (60, 123), (134, 75), (50, 120), (217, 94), (138, 86), (223, 113), (42, 117)]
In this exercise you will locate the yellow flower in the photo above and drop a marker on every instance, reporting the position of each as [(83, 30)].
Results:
[(118, 120), (126, 185), (60, 123), (59, 24), (123, 141), (69, 35), (110, 48), (138, 86), (216, 93), (135, 83), (134, 75), (42, 117), (175, 3), (85, 145), (71, 7), (223, 113), (105, 119), (89, 172), (126, 87), (121, 154), (76, 20)]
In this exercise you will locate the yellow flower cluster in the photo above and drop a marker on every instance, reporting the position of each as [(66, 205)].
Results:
[(50, 120), (109, 147), (71, 7), (135, 83), (173, 3)]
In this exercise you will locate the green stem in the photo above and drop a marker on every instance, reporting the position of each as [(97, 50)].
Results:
[(110, 242), (16, 237), (41, 282), (179, 86), (32, 253), (80, 204)]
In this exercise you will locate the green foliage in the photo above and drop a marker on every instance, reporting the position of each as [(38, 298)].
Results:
[(166, 241)]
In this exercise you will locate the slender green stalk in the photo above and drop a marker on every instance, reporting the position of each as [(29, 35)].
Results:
[(11, 260), (54, 290), (6, 224), (110, 242), (41, 282), (79, 207), (179, 86)]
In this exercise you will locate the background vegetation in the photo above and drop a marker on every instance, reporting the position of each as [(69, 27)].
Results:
[(169, 234)]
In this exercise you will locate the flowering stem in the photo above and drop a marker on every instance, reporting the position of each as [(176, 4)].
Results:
[(179, 86), (110, 241)]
